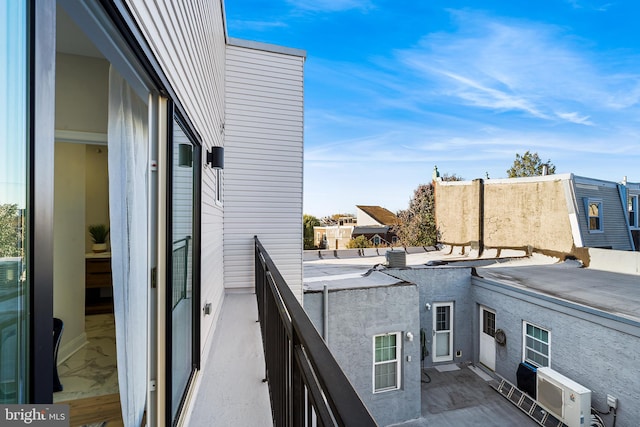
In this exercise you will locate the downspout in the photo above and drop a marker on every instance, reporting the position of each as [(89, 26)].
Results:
[(480, 217), (325, 317)]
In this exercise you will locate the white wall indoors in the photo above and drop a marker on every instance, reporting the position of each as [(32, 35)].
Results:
[(97, 189), (82, 93), (80, 185), (68, 245)]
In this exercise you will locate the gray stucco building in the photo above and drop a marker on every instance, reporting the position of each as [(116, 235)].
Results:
[(581, 322)]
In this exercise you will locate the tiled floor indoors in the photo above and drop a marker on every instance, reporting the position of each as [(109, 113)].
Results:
[(92, 370)]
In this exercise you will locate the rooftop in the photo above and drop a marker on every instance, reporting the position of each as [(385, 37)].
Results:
[(615, 293), (459, 395), (380, 214)]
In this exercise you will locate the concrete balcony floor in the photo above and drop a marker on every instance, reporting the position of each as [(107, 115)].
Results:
[(230, 390)]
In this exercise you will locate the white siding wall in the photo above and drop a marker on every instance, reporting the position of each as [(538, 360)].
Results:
[(188, 39), (263, 161)]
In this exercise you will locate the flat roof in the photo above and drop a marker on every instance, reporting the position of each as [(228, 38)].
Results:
[(617, 294), (614, 293)]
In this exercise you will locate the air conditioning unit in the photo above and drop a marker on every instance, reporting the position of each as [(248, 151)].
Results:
[(566, 399)]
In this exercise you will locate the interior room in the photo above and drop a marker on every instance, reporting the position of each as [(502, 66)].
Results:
[(86, 356)]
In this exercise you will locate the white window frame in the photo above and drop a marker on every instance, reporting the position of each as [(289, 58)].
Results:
[(438, 333), (525, 347), (633, 207), (587, 205), (396, 360), (377, 239)]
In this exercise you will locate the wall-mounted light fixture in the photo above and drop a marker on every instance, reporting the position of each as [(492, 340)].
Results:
[(185, 155), (409, 336), (215, 157)]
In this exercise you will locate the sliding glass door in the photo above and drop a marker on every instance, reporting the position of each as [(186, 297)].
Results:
[(183, 267), (14, 154)]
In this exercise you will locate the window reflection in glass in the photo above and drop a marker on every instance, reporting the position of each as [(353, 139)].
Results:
[(183, 177), (13, 202)]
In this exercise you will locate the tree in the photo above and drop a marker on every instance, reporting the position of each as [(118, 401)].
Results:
[(417, 223), (453, 177), (308, 222), (529, 164), (9, 231), (359, 242)]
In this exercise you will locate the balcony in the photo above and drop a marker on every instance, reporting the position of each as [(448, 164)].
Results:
[(275, 372)]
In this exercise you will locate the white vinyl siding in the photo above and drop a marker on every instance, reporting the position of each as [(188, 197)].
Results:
[(263, 161), (193, 59)]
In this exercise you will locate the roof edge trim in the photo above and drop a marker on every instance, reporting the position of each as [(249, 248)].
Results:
[(250, 44)]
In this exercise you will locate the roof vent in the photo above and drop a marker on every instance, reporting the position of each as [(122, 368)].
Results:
[(396, 259)]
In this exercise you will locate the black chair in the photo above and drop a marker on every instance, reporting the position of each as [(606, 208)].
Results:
[(58, 326)]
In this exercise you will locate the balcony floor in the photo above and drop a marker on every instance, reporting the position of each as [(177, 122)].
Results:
[(231, 391)]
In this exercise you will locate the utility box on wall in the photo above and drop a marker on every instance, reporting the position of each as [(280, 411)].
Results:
[(569, 401)]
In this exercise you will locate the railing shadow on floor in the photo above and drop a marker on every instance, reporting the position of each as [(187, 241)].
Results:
[(306, 385)]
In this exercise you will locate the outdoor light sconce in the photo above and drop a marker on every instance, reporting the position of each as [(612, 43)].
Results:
[(215, 157), (409, 336)]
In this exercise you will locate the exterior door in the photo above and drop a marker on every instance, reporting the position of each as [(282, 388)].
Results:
[(442, 331), (183, 296), (487, 338)]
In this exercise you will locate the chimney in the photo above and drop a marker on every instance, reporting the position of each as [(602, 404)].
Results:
[(545, 169)]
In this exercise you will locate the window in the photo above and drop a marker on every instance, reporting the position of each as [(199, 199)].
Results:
[(593, 209), (15, 206), (537, 345), (633, 211), (489, 322), (183, 267), (386, 362), (376, 240)]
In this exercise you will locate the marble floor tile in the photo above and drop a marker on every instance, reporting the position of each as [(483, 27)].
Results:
[(92, 371)]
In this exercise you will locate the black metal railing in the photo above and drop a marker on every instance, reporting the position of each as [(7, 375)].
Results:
[(306, 384), (180, 270)]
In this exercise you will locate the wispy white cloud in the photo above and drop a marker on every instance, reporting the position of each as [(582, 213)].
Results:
[(331, 5), (575, 117), (530, 67)]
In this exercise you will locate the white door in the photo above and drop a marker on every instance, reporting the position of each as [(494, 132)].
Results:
[(442, 331), (487, 338)]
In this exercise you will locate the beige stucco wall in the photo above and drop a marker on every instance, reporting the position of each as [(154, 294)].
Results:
[(340, 236), (527, 214), (517, 213), (457, 211)]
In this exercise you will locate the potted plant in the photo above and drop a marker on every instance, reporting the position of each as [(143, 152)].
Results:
[(99, 233)]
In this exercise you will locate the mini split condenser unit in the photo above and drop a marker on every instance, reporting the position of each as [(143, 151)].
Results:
[(566, 399)]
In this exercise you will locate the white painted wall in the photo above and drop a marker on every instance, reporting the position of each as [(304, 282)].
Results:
[(263, 161), (97, 189), (188, 39), (82, 93), (366, 219), (69, 245)]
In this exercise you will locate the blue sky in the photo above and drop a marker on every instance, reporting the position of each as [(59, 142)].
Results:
[(394, 87)]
